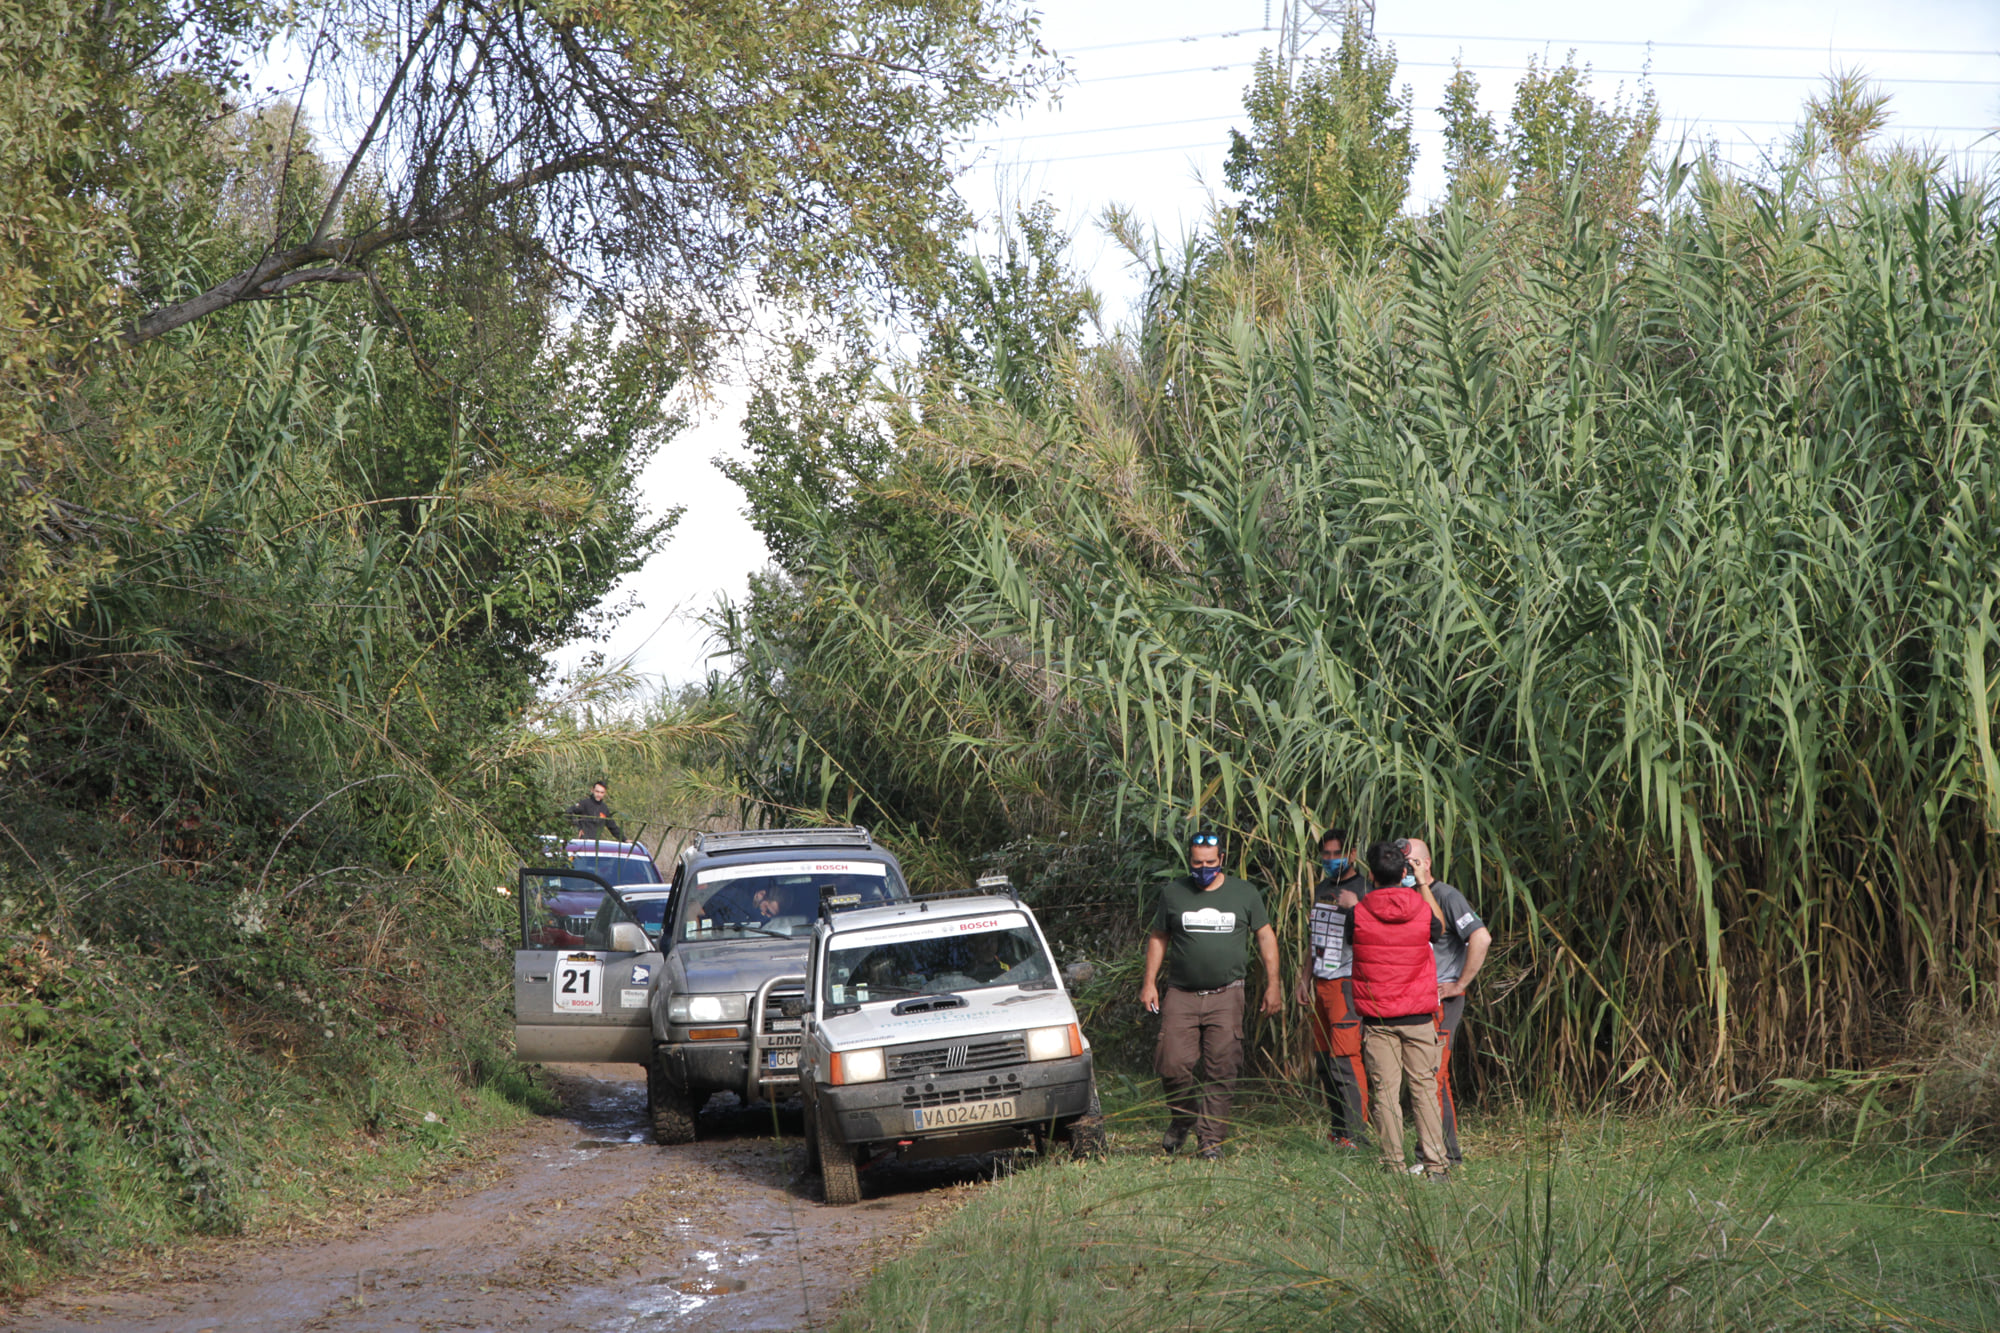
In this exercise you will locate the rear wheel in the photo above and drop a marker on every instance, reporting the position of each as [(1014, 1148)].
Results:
[(837, 1171), (673, 1110)]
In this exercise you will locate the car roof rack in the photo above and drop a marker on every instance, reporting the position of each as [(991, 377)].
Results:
[(752, 839)]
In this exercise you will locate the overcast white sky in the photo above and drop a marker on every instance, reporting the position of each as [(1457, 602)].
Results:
[(1144, 122)]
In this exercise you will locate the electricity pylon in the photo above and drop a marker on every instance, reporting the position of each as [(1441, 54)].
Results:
[(1306, 21)]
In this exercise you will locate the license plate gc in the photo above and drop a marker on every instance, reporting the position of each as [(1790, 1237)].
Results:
[(966, 1113)]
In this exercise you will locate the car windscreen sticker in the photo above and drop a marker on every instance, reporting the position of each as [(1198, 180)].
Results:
[(641, 973), (631, 998), (580, 985), (927, 930), (718, 874)]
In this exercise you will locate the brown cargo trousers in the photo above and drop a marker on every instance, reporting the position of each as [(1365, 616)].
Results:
[(1200, 1031), (1393, 1051)]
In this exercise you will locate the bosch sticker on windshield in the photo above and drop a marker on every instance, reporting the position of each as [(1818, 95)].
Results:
[(718, 874)]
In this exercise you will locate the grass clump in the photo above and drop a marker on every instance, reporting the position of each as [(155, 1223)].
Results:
[(1638, 1224)]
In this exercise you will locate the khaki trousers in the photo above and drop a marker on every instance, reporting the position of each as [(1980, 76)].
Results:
[(1200, 1034), (1392, 1052)]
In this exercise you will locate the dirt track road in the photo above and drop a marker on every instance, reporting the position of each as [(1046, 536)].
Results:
[(585, 1225)]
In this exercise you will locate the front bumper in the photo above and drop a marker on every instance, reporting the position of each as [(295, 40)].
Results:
[(699, 1068), (1044, 1092)]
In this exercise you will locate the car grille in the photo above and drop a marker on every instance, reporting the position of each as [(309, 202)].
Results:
[(779, 1030), (955, 1057), (931, 1095)]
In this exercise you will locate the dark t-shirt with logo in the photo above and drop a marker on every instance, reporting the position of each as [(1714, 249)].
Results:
[(1208, 930)]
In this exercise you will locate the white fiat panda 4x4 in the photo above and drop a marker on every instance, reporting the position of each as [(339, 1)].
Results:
[(938, 1027)]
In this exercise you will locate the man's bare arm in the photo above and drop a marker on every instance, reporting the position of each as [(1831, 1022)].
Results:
[(1475, 957), (1149, 988), (1267, 949)]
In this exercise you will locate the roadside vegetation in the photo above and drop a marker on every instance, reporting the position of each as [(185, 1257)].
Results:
[(1625, 526), (320, 416)]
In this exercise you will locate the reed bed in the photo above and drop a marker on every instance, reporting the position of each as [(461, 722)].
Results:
[(1650, 569)]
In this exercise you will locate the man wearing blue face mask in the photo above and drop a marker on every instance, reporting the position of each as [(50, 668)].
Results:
[(1202, 927), (1326, 987)]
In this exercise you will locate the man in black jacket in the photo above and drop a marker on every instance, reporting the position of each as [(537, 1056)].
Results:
[(593, 816)]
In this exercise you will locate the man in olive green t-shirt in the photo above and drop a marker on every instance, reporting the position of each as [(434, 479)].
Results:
[(1202, 928)]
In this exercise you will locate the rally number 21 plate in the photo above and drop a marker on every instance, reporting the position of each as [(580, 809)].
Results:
[(580, 985)]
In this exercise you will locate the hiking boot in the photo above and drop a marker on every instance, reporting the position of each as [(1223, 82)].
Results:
[(1212, 1153), (1171, 1141)]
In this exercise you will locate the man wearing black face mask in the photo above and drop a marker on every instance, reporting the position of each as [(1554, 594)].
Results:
[(1327, 988), (1200, 928)]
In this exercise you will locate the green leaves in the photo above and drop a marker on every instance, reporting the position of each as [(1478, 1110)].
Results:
[(1645, 570)]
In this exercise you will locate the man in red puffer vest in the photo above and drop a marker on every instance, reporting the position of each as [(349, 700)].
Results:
[(1396, 990)]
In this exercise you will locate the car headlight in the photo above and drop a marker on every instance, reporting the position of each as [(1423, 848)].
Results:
[(863, 1066), (1055, 1043), (708, 1008)]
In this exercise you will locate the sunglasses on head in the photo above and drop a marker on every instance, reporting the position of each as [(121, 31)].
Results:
[(1204, 840)]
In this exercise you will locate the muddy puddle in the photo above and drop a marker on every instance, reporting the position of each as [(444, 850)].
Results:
[(586, 1224)]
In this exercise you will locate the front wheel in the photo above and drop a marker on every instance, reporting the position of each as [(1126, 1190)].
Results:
[(672, 1109), (1087, 1139), (838, 1174)]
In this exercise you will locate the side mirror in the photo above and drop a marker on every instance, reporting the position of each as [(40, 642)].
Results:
[(629, 937), (792, 1008)]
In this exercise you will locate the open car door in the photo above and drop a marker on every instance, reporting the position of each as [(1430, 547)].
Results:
[(584, 974)]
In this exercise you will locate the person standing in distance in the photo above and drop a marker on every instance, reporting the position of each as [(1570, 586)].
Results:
[(593, 816), (1460, 955), (1396, 990), (1326, 986), (1202, 928)]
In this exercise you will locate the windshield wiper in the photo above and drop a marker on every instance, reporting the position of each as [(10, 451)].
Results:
[(744, 925)]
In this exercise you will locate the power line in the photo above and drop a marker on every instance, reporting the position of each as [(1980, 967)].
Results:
[(1693, 46), (1161, 41), (1634, 73), (1422, 128), (1559, 41)]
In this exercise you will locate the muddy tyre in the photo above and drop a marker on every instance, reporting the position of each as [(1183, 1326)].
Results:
[(839, 1177), (672, 1110), (811, 1137), (1087, 1139)]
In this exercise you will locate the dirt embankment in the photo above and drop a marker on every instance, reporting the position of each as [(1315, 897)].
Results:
[(583, 1223)]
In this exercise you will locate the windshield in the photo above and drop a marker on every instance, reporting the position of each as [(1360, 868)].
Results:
[(617, 869), (650, 913), (897, 961), (781, 898)]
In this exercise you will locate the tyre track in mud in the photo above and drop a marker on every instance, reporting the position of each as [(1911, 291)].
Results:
[(589, 1225)]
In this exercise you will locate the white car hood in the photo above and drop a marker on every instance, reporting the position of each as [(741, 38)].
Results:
[(988, 1009)]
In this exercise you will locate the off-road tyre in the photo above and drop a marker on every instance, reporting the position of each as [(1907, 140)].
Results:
[(672, 1109), (839, 1177), (811, 1136), (1087, 1139)]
